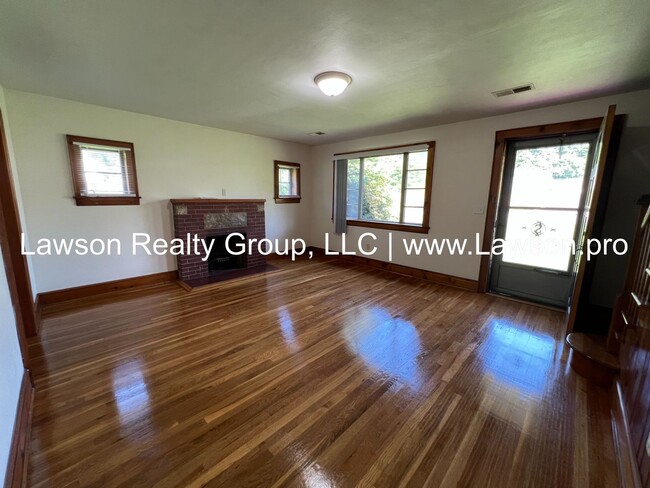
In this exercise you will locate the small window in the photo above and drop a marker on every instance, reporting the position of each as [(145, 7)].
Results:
[(103, 171), (287, 182), (390, 190)]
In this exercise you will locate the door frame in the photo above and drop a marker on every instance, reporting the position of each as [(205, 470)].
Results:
[(502, 139), (15, 263)]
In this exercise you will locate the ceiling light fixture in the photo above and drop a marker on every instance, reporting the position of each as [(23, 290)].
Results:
[(332, 83)]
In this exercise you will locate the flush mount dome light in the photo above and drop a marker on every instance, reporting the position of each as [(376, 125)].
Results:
[(332, 83)]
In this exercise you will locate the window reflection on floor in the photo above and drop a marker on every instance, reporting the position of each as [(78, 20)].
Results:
[(391, 345), (517, 357), (315, 477), (130, 390), (287, 330)]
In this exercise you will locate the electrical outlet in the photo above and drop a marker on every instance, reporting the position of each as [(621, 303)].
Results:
[(223, 192)]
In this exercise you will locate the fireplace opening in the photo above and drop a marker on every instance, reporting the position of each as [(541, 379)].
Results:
[(219, 257)]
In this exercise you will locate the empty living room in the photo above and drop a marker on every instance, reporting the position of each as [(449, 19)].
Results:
[(325, 244)]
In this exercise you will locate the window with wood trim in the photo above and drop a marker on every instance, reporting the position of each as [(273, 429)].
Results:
[(287, 182), (390, 188), (103, 171)]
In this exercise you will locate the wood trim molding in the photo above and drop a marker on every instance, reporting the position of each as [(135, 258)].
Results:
[(628, 471), (15, 263), (388, 226), (430, 276), (384, 148), (98, 201), (176, 201), (19, 449), (502, 138), (84, 291), (38, 311), (287, 199)]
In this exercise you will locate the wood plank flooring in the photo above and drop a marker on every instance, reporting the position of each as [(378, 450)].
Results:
[(320, 374)]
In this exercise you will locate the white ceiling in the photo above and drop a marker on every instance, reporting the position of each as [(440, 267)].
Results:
[(248, 65)]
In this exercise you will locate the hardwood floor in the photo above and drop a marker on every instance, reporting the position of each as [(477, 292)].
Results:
[(316, 375)]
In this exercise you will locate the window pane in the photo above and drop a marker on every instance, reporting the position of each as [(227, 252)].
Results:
[(104, 183), (418, 160), (413, 215), (382, 187), (549, 176), (353, 188), (416, 179), (284, 188), (414, 198), (284, 175), (540, 238), (101, 161)]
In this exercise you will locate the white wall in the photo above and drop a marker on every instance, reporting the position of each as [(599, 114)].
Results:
[(461, 177), (11, 365), (173, 159)]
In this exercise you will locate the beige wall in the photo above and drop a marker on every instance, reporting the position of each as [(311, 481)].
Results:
[(174, 160), (11, 364), (461, 178), (178, 160)]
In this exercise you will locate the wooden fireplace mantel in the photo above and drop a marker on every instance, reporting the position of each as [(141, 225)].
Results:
[(185, 201)]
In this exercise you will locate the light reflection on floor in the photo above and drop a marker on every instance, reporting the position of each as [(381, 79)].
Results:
[(315, 477), (391, 345), (130, 390), (286, 327), (518, 358)]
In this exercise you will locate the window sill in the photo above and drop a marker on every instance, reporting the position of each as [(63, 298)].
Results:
[(287, 199), (388, 226), (98, 201)]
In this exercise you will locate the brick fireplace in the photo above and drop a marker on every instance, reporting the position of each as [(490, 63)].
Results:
[(213, 220)]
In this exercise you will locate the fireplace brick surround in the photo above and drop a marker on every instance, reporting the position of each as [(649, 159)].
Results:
[(206, 217)]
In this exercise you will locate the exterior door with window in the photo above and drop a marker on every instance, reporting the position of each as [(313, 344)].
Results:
[(542, 203)]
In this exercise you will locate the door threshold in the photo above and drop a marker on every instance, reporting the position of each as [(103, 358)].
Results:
[(520, 300)]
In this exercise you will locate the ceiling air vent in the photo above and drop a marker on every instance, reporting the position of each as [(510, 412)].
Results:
[(514, 90), (317, 133)]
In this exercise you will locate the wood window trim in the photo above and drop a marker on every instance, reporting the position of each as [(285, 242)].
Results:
[(396, 226), (85, 200), (502, 139), (276, 182), (419, 229)]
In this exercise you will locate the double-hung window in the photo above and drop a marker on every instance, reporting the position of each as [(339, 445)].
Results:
[(390, 188)]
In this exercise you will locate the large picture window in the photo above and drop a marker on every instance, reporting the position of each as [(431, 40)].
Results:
[(390, 189)]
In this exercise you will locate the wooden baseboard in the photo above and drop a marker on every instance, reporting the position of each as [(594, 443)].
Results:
[(66, 294), (526, 302), (430, 276), (628, 471), (19, 449)]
